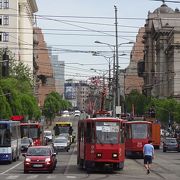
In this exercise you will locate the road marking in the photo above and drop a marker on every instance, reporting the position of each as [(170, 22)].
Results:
[(71, 177), (11, 168), (12, 177), (32, 177), (68, 165), (51, 177)]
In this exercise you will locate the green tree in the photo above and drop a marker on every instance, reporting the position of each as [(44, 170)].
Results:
[(138, 101), (18, 90), (52, 105), (166, 109)]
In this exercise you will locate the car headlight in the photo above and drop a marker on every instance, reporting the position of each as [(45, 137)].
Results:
[(47, 160), (114, 155), (28, 160)]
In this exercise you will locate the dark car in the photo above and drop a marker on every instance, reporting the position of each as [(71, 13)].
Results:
[(40, 158), (171, 144), (26, 143)]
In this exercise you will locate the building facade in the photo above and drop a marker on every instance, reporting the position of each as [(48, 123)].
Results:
[(45, 82), (16, 22), (58, 72), (131, 79), (161, 71)]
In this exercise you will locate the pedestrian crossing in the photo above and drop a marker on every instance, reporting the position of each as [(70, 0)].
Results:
[(36, 176)]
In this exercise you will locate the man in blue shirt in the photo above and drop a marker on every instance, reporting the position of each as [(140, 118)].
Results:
[(148, 151)]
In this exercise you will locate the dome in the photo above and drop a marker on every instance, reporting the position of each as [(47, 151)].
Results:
[(164, 9)]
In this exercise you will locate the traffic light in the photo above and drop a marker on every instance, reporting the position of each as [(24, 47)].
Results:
[(5, 64)]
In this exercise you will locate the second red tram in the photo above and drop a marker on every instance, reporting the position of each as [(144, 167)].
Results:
[(137, 133), (100, 144), (34, 131)]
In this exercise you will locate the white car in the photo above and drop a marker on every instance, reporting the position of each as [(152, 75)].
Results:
[(77, 113), (65, 113), (61, 144), (48, 134)]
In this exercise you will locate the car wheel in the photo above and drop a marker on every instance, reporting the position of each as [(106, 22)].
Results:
[(51, 171), (25, 171)]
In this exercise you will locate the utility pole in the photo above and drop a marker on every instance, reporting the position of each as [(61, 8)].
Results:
[(113, 84), (117, 65)]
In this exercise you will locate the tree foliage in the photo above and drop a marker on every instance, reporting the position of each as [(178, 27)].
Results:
[(53, 104), (166, 110), (16, 93)]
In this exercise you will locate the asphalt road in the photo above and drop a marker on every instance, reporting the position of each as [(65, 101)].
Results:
[(165, 166)]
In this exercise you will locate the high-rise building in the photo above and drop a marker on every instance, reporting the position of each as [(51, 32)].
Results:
[(58, 71)]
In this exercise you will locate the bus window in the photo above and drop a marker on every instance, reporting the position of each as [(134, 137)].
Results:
[(5, 138)]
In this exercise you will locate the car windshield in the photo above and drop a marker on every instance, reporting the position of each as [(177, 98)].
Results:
[(38, 152), (171, 141), (25, 141), (66, 112), (60, 141)]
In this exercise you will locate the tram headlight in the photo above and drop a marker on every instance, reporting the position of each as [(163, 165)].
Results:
[(114, 155), (98, 155)]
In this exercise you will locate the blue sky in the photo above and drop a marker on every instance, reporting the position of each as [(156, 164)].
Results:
[(72, 26)]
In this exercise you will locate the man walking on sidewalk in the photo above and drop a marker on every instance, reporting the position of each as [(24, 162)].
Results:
[(148, 151)]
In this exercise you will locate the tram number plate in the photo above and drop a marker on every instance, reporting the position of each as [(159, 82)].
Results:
[(37, 165)]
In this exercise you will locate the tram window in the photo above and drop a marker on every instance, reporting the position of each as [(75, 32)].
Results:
[(92, 133), (82, 133), (128, 132), (88, 133)]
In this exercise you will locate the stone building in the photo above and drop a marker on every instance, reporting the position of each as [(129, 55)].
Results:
[(131, 79), (161, 70)]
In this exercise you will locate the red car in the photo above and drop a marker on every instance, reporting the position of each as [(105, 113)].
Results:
[(40, 158)]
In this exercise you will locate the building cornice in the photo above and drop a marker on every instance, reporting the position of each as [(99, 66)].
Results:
[(33, 5)]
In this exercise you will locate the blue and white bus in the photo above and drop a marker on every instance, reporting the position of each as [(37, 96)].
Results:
[(10, 140)]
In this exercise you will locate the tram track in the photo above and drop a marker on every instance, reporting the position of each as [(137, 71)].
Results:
[(153, 171)]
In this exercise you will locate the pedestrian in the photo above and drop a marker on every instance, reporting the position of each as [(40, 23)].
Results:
[(148, 151)]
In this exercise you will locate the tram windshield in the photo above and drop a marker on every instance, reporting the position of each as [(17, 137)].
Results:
[(107, 132), (139, 131), (30, 131)]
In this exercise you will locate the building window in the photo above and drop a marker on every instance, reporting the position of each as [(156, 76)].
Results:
[(5, 37), (0, 4), (0, 20), (6, 20), (0, 36), (6, 4)]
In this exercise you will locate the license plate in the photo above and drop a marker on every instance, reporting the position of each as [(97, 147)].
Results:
[(37, 165)]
